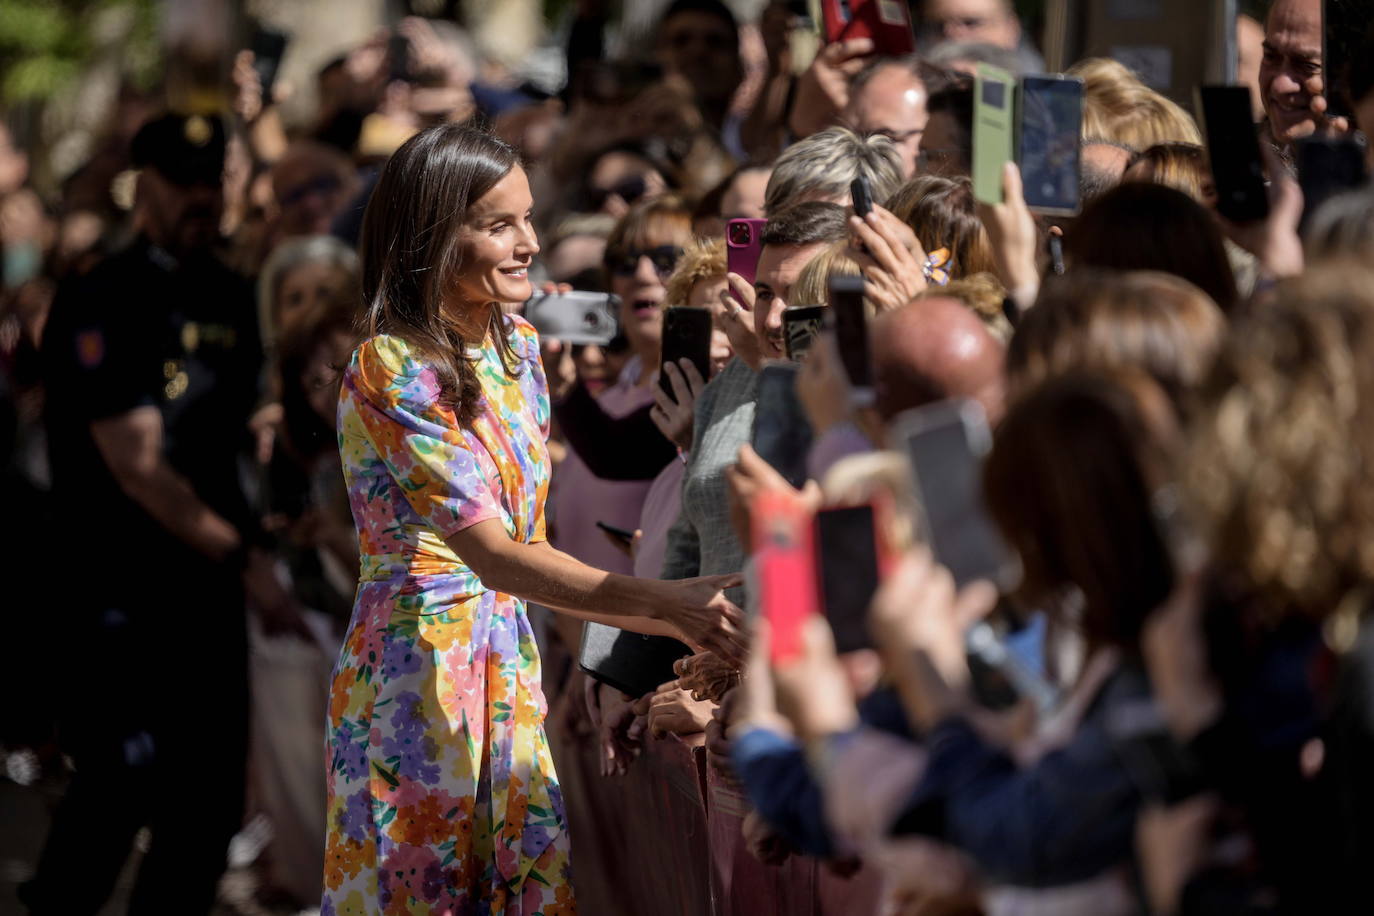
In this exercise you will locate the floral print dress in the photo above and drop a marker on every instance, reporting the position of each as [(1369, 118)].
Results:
[(442, 797)]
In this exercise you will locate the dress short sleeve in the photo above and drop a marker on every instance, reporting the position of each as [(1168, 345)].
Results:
[(431, 459)]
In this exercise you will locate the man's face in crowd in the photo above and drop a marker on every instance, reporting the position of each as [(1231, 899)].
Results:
[(1290, 72), (179, 218), (944, 149), (892, 103), (779, 266), (985, 21), (703, 50)]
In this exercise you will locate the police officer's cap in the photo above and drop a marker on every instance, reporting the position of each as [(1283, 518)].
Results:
[(184, 149)]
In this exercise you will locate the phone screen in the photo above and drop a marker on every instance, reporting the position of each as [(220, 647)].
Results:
[(1051, 121), (847, 556), (1233, 149), (800, 325), (686, 335), (946, 442), (851, 330), (782, 434), (992, 131)]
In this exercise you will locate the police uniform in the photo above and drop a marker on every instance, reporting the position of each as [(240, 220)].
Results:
[(157, 719)]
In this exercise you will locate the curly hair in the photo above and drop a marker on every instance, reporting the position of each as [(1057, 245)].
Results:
[(704, 259), (1280, 470)]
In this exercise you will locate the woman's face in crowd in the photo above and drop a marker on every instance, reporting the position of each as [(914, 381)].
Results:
[(706, 295), (597, 367), (305, 286), (744, 198), (498, 244), (638, 280), (619, 179)]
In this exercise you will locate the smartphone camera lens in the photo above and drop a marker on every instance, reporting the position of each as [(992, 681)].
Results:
[(741, 234)]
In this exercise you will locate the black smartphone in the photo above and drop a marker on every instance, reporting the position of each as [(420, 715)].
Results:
[(686, 335), (862, 194), (850, 322), (781, 434), (945, 443), (267, 46), (1346, 26), (615, 531), (800, 325), (848, 569), (398, 58), (1234, 152), (1048, 142), (1326, 167), (632, 663)]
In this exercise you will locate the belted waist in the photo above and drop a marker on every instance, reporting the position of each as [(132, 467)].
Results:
[(422, 553)]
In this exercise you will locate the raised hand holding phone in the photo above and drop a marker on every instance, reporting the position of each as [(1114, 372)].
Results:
[(674, 413), (891, 257), (738, 320)]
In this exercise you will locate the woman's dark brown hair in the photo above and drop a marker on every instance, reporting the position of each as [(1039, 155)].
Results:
[(942, 213), (1070, 482), (411, 256), (1143, 226)]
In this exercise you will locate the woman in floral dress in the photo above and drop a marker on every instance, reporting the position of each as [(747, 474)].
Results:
[(442, 794)]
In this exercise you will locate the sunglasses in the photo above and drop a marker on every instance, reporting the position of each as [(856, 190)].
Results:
[(664, 259), (629, 190)]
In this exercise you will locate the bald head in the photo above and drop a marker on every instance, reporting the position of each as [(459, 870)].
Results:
[(935, 349)]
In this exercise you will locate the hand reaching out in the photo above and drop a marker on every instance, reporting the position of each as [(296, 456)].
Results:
[(891, 258), (823, 90)]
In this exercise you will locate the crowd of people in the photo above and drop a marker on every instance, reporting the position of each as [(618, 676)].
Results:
[(237, 386)]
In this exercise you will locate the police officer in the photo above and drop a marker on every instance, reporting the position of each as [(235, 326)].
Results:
[(151, 366)]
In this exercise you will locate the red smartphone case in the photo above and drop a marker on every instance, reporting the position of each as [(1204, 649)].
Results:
[(743, 257), (784, 569), (887, 22)]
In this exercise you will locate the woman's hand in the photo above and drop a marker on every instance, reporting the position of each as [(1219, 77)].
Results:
[(1014, 239), (673, 415), (706, 675), (618, 746), (701, 613), (823, 386), (918, 609), (891, 258), (823, 90), (674, 711), (738, 320)]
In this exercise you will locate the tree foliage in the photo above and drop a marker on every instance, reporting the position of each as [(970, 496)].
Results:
[(46, 44)]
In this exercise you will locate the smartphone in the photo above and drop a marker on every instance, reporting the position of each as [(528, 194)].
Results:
[(686, 335), (994, 95), (887, 22), (1327, 166), (267, 46), (784, 569), (850, 323), (743, 242), (398, 58), (1346, 26), (574, 317), (851, 560), (800, 325), (945, 443), (781, 433), (1234, 152), (1048, 131), (620, 534), (861, 192), (632, 663)]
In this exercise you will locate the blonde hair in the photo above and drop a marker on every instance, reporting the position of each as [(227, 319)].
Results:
[(1181, 166), (813, 283), (1281, 467), (1119, 108), (704, 259)]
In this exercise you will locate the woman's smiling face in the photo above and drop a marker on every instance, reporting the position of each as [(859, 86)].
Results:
[(498, 244)]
